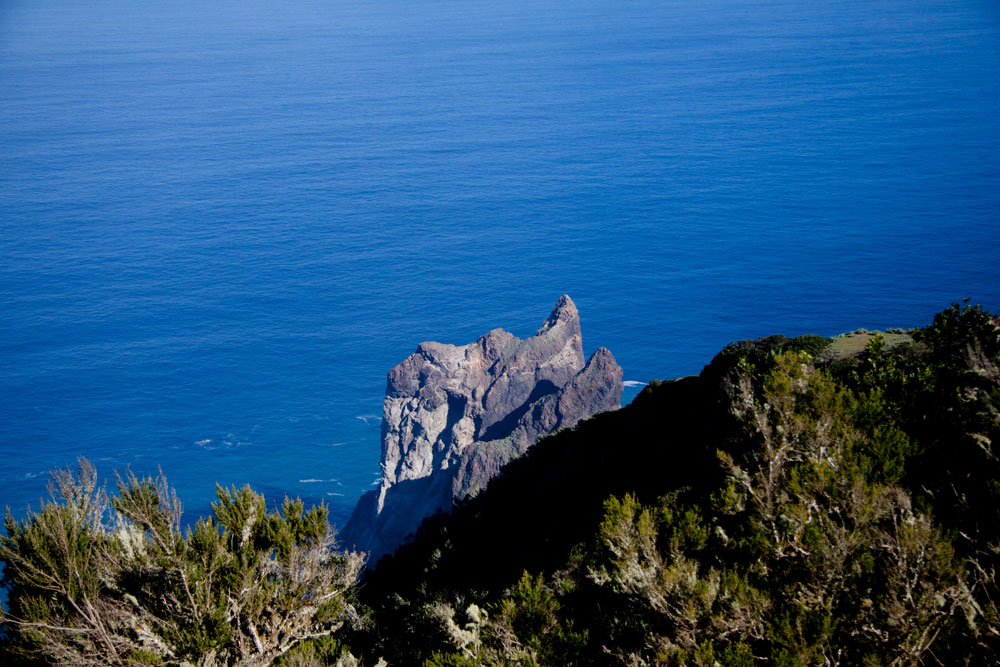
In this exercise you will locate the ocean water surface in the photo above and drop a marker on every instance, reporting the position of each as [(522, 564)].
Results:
[(221, 223)]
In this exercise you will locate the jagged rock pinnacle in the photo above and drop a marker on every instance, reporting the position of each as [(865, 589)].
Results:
[(454, 415), (564, 312)]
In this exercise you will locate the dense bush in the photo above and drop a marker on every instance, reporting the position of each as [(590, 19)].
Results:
[(98, 580)]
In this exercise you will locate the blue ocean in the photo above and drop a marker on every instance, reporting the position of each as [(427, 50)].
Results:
[(222, 223)]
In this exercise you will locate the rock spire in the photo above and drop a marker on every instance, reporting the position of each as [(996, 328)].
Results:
[(454, 415)]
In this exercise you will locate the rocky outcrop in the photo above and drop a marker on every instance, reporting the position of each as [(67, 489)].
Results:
[(454, 415)]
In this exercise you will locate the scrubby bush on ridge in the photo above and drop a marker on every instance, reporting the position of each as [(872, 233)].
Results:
[(842, 513)]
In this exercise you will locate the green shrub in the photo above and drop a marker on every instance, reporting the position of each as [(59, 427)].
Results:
[(93, 580)]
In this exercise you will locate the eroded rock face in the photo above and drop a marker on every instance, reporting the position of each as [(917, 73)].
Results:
[(454, 415)]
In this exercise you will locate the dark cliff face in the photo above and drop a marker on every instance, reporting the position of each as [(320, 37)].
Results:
[(454, 415), (858, 490)]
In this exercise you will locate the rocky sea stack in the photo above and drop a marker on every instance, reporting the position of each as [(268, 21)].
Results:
[(454, 415)]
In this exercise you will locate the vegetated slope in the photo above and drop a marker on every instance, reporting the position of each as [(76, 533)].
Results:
[(775, 509), (785, 507)]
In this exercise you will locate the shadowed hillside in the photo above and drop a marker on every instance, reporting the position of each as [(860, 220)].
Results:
[(786, 506)]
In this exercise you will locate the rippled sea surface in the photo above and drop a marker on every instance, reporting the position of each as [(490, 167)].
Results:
[(221, 223)]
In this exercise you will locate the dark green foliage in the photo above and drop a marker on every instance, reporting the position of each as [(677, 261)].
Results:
[(319, 652), (757, 356), (811, 344), (99, 581), (53, 569), (775, 510)]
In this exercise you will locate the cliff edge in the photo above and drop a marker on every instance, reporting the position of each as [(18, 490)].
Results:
[(454, 415)]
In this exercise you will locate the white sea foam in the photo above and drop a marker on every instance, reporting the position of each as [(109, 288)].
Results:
[(634, 383), (368, 419), (224, 442), (310, 481), (333, 493)]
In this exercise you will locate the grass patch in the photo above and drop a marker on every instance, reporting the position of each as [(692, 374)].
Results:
[(853, 343)]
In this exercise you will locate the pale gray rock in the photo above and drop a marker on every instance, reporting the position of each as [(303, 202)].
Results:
[(453, 416)]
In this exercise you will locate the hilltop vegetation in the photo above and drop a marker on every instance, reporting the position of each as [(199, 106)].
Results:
[(788, 506)]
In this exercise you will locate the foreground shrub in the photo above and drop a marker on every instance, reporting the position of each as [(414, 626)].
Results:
[(99, 580)]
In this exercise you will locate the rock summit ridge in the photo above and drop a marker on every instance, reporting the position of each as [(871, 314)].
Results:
[(454, 415)]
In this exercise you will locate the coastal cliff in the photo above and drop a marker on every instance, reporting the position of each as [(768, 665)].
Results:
[(799, 498), (454, 415)]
